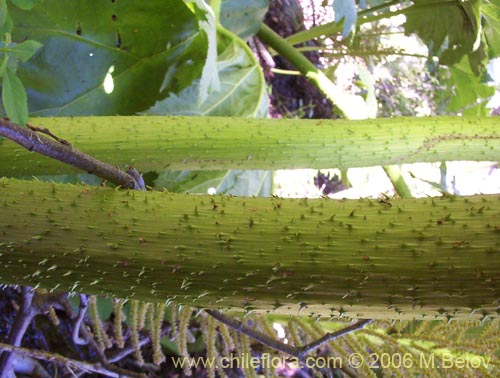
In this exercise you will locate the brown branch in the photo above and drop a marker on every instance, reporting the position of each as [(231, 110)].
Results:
[(82, 310), (332, 336), (24, 317), (256, 335), (298, 352), (71, 363), (63, 151)]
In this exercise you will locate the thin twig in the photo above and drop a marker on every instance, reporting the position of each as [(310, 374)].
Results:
[(63, 151), (24, 317), (298, 352), (47, 131), (121, 354), (329, 337), (82, 310), (64, 361)]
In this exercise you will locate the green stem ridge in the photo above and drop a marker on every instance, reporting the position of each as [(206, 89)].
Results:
[(423, 258), (158, 143)]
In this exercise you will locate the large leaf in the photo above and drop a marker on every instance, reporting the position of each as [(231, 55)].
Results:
[(129, 43), (246, 183), (451, 29), (468, 90), (243, 17), (188, 181), (233, 182), (242, 91)]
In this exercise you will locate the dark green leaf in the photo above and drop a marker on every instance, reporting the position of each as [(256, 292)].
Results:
[(346, 9), (130, 44), (25, 50), (242, 91), (3, 14), (24, 4), (243, 17), (451, 29), (14, 98), (7, 27)]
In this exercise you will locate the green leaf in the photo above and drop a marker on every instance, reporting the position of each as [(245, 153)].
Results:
[(243, 17), (468, 90), (246, 183), (491, 29), (346, 9), (188, 181), (368, 83), (25, 50), (209, 81), (7, 27), (24, 4), (232, 182), (451, 29), (242, 90), (3, 14), (14, 98), (127, 45)]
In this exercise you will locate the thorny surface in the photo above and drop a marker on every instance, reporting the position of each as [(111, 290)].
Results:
[(291, 95)]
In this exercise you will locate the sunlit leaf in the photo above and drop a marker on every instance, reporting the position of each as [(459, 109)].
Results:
[(242, 91), (14, 97), (491, 14), (450, 29), (469, 90), (209, 81)]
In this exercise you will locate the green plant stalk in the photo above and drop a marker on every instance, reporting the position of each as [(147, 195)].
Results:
[(398, 181), (308, 69), (5, 59), (158, 143), (429, 257)]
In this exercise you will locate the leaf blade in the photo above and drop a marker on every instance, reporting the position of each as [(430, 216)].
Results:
[(14, 97), (25, 50)]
